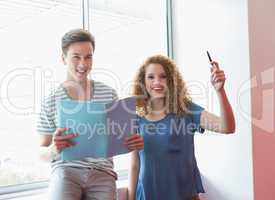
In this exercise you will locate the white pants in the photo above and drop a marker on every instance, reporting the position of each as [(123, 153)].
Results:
[(71, 183)]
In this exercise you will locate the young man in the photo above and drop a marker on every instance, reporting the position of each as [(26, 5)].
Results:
[(89, 178)]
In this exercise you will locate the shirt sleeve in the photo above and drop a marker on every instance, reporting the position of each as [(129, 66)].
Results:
[(196, 111), (115, 96), (45, 124)]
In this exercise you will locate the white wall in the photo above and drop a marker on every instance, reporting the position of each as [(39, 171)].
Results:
[(221, 27)]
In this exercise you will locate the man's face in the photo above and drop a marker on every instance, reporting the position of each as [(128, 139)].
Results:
[(79, 59)]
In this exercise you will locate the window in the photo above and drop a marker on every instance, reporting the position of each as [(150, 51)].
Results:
[(126, 34), (30, 32)]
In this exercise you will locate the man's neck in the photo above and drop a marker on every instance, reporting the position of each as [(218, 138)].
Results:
[(78, 90)]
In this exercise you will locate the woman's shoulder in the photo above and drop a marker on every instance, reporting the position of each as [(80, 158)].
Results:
[(192, 106)]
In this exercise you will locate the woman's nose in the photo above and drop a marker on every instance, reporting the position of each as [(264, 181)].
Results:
[(156, 81)]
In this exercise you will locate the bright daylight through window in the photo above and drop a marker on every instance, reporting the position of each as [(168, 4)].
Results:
[(30, 32)]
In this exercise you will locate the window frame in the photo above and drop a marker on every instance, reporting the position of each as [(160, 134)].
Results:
[(20, 190)]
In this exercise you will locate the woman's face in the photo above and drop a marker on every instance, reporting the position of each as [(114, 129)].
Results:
[(156, 81)]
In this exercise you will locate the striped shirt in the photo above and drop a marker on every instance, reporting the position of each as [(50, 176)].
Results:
[(47, 121)]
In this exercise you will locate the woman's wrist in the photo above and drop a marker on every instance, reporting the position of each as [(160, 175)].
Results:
[(220, 92)]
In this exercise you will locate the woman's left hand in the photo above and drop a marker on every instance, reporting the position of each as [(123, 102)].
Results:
[(217, 76), (134, 142)]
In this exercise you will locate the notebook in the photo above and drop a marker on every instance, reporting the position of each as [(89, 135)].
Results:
[(101, 127)]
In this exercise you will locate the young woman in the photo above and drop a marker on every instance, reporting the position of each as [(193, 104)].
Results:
[(167, 118)]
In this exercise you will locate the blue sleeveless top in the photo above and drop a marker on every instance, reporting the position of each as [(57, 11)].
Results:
[(168, 168)]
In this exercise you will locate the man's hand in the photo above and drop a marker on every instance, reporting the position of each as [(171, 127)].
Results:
[(61, 141), (134, 142)]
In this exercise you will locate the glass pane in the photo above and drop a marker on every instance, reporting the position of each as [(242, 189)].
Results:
[(30, 38), (126, 33)]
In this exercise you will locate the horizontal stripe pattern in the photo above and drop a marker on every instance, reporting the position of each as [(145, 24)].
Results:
[(47, 120)]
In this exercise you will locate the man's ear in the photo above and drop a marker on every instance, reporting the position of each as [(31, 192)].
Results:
[(64, 59)]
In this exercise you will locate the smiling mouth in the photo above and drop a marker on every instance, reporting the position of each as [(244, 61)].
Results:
[(158, 89), (81, 71)]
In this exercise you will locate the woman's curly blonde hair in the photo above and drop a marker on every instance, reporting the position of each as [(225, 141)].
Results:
[(177, 98)]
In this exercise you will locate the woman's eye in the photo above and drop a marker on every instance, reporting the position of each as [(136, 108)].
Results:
[(150, 77)]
